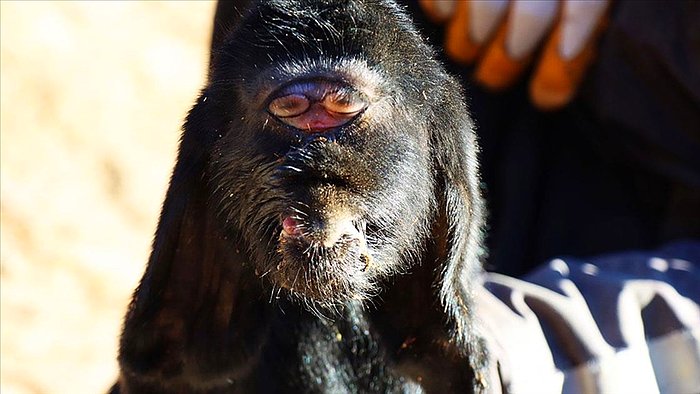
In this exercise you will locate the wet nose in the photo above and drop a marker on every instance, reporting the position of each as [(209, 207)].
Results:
[(316, 106)]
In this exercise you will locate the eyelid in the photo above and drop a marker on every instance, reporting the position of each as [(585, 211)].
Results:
[(335, 97), (315, 89), (344, 102), (289, 105)]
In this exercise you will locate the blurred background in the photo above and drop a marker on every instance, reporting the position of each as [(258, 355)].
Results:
[(93, 95)]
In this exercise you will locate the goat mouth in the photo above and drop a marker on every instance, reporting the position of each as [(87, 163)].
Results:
[(328, 266)]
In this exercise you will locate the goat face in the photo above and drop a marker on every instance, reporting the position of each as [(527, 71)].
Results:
[(323, 169)]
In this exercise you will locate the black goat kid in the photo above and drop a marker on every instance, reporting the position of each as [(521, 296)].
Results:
[(322, 227)]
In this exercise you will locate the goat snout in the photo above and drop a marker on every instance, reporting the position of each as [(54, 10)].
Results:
[(327, 233)]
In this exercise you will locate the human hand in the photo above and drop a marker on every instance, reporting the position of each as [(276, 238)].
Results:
[(502, 37)]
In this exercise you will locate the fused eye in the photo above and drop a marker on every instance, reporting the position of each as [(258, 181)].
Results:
[(344, 103), (316, 105), (289, 105)]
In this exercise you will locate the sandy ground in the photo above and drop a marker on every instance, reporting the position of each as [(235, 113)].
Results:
[(93, 95)]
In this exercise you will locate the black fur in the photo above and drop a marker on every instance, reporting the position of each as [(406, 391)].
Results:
[(228, 304)]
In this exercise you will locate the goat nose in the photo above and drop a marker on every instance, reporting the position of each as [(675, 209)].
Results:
[(316, 106)]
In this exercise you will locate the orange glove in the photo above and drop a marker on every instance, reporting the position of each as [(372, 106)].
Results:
[(502, 36)]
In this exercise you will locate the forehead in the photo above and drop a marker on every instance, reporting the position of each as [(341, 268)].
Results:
[(359, 41), (349, 71), (278, 31)]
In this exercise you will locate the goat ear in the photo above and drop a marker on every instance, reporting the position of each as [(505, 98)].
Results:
[(460, 221), (226, 17), (194, 281)]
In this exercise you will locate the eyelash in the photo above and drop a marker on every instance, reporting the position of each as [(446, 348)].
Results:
[(295, 101)]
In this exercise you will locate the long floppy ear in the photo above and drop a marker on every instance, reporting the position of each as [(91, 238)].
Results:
[(189, 303), (460, 221)]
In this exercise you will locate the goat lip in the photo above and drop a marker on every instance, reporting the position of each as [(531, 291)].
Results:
[(326, 233), (291, 227)]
